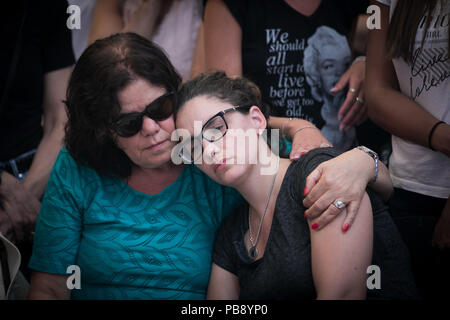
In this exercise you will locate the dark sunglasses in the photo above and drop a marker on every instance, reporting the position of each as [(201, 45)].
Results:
[(128, 124)]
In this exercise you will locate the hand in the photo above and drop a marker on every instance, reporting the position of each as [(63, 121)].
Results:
[(6, 226), (306, 140), (352, 111), (20, 206), (441, 235), (441, 139), (343, 178)]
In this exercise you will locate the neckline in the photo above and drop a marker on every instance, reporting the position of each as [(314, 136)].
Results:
[(166, 189), (313, 15), (245, 226)]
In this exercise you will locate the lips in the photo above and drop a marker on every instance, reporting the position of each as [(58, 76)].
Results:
[(156, 145), (219, 166)]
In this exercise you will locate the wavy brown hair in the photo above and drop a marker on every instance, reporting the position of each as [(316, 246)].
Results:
[(105, 68)]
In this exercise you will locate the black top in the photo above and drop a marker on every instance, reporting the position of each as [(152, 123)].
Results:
[(284, 272), (274, 38), (46, 46)]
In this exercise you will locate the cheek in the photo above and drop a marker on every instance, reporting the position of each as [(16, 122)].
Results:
[(129, 146), (168, 125)]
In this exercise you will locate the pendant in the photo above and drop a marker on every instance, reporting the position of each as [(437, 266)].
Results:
[(253, 253)]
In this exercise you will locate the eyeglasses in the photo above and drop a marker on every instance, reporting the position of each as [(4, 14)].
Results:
[(128, 124), (213, 130)]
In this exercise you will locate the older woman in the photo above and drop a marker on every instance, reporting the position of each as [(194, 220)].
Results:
[(137, 225)]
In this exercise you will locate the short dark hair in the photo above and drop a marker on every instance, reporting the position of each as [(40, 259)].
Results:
[(106, 67), (237, 91)]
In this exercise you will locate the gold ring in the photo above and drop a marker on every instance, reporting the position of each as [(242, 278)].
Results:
[(360, 100)]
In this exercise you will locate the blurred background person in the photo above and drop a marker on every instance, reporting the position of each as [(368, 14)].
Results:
[(172, 24), (408, 91), (266, 42), (36, 62), (80, 37)]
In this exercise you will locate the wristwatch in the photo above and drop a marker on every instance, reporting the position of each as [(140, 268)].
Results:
[(375, 158)]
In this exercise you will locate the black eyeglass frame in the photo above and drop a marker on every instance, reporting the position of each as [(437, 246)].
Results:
[(116, 126), (198, 140)]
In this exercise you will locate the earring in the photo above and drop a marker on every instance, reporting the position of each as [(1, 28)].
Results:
[(260, 132)]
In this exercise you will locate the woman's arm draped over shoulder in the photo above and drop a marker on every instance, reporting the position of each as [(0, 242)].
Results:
[(343, 178)]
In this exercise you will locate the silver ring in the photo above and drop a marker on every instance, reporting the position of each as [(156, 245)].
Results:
[(353, 90), (360, 100), (339, 204)]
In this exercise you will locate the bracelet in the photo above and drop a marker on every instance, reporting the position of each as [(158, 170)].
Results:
[(282, 127), (301, 128), (359, 58), (430, 135), (375, 158)]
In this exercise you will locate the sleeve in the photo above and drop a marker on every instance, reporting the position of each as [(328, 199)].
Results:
[(224, 253), (305, 165), (238, 9), (58, 51), (386, 2), (59, 225), (355, 8)]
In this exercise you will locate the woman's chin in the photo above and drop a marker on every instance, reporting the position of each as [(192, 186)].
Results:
[(230, 176)]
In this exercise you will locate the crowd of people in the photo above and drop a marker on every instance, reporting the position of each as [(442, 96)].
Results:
[(222, 149)]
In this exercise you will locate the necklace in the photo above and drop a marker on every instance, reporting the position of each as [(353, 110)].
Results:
[(253, 252)]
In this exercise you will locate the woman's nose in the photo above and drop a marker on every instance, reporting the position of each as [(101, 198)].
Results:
[(211, 151), (149, 126)]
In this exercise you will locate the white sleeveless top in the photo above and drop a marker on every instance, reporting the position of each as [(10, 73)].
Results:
[(427, 82), (177, 32)]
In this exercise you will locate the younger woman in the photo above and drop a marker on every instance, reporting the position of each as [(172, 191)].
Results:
[(264, 249)]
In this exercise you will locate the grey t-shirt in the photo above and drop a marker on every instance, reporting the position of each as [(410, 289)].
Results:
[(284, 272)]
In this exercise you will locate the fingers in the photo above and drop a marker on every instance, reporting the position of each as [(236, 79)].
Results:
[(361, 116), (348, 103), (324, 200), (329, 215), (350, 119), (297, 152), (311, 181), (352, 210), (355, 84), (342, 83), (306, 140)]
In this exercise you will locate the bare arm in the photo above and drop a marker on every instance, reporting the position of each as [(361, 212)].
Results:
[(198, 61), (46, 286), (223, 285), (223, 37), (302, 141), (55, 85), (388, 106), (107, 19), (340, 261)]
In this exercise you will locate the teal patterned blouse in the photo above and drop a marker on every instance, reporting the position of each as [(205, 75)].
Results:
[(128, 244)]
